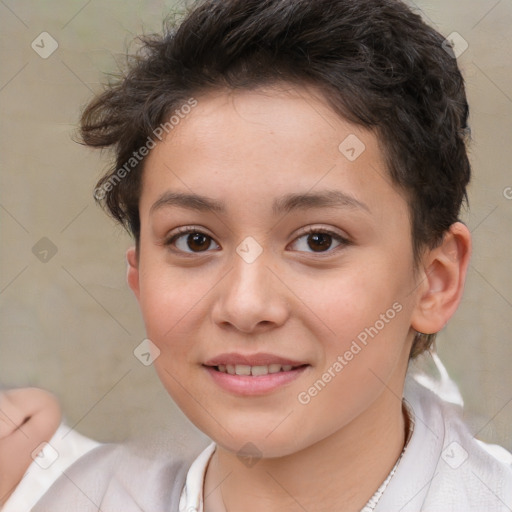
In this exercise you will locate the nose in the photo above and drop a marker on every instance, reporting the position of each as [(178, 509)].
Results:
[(251, 298)]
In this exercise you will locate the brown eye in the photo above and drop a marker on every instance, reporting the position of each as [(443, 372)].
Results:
[(191, 241), (198, 241), (319, 241)]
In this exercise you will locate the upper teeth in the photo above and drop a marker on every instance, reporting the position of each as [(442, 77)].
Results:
[(242, 369)]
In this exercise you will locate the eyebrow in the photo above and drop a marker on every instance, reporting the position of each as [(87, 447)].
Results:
[(281, 205)]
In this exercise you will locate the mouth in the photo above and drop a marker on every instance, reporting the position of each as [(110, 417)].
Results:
[(257, 370), (257, 374)]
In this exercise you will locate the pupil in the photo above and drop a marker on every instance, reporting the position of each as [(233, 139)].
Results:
[(200, 241), (322, 239)]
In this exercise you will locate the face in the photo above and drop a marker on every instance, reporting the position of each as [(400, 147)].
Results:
[(274, 247)]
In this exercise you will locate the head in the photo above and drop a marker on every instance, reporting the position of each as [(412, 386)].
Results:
[(292, 173)]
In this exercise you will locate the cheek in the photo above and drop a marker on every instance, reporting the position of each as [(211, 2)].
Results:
[(359, 361), (365, 315), (170, 303), (348, 301), (169, 299)]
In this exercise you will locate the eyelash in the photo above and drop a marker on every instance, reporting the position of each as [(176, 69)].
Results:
[(343, 242)]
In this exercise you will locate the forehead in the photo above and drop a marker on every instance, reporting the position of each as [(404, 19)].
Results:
[(270, 115), (268, 142)]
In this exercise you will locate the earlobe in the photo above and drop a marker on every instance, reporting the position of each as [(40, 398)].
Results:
[(444, 276), (132, 273)]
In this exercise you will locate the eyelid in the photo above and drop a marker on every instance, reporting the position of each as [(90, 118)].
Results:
[(320, 229), (184, 230)]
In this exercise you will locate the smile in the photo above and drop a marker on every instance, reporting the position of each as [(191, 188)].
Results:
[(254, 371), (253, 375)]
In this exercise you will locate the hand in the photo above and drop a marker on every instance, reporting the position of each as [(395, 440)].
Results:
[(28, 417), (11, 415)]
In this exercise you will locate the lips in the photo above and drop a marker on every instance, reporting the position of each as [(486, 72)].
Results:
[(252, 365), (259, 359), (254, 374), (255, 371)]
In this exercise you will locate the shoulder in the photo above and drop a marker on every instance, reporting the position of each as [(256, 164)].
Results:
[(116, 477), (470, 475), (445, 467)]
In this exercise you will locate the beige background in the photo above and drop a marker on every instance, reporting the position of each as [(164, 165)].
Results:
[(70, 324)]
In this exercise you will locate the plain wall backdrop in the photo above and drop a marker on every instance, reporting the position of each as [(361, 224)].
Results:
[(69, 322)]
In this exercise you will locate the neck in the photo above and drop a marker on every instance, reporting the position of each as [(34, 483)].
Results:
[(346, 467)]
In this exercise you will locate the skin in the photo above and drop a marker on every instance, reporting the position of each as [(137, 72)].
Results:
[(246, 149), (28, 417)]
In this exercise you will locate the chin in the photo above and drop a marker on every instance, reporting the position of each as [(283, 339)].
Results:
[(255, 445), (255, 436)]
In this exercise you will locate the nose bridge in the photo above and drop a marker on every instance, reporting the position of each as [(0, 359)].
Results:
[(250, 278), (251, 297)]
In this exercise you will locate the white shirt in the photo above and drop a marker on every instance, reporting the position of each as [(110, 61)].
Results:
[(191, 499), (64, 448)]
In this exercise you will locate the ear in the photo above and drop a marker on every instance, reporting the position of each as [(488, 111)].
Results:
[(132, 273), (442, 280)]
